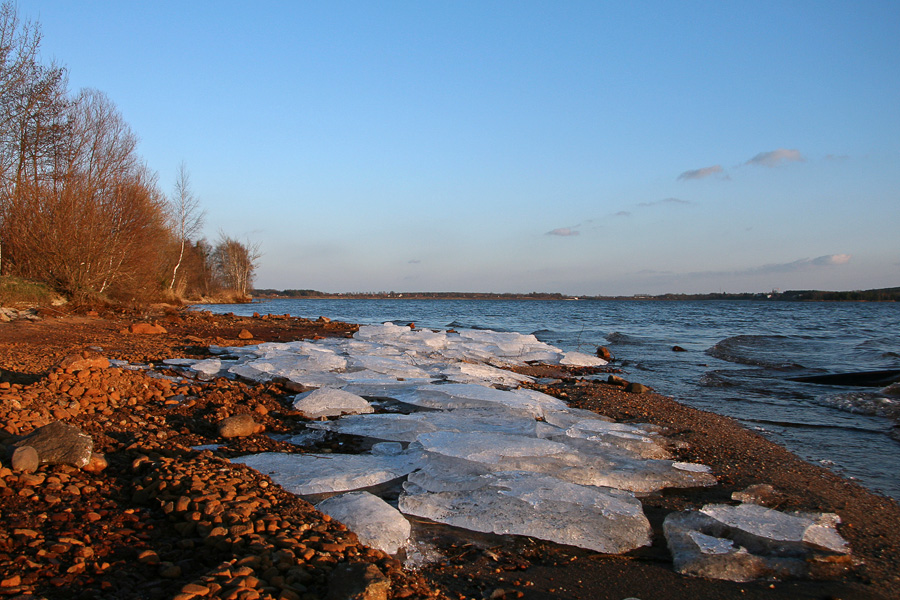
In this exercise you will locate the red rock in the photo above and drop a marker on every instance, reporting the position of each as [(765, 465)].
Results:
[(84, 360), (245, 335), (146, 328), (239, 426)]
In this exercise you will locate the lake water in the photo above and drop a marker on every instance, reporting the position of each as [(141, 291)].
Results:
[(739, 356)]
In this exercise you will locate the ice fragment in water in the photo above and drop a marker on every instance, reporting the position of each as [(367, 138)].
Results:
[(375, 522), (539, 506), (306, 474), (747, 542), (329, 402)]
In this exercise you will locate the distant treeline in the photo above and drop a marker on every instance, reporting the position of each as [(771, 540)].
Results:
[(270, 293), (879, 295)]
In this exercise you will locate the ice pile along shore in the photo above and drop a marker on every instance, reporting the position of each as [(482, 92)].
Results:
[(475, 449), (475, 456)]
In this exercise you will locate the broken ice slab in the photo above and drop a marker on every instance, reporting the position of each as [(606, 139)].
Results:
[(307, 474), (747, 542), (539, 506), (488, 448), (330, 402), (577, 461), (210, 367), (468, 395), (406, 428), (790, 530), (635, 438), (484, 374), (375, 522), (392, 367)]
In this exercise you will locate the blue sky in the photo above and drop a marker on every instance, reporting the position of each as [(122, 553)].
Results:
[(579, 147)]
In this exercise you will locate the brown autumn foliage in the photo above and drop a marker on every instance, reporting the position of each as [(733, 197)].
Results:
[(79, 209)]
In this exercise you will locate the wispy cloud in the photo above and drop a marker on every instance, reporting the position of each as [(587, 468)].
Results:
[(701, 173), (829, 260), (776, 158), (564, 231), (622, 213), (414, 261), (664, 201)]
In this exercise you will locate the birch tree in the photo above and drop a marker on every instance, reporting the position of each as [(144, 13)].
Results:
[(186, 214)]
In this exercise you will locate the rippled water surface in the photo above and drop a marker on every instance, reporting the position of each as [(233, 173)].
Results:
[(738, 360)]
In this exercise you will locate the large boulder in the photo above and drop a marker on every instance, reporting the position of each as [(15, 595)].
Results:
[(60, 444)]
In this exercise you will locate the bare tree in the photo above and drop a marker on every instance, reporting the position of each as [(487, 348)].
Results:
[(32, 109), (236, 262), (186, 215), (98, 225)]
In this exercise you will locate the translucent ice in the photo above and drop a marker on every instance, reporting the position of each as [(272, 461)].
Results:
[(747, 542), (375, 522), (306, 474), (329, 402), (488, 448), (539, 506), (406, 428)]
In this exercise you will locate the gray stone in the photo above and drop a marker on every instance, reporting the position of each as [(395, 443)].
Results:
[(60, 444)]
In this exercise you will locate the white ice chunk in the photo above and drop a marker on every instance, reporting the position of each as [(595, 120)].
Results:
[(375, 522), (330, 402), (484, 374), (305, 474), (579, 359), (395, 368), (209, 367), (778, 526), (488, 448), (538, 506), (406, 428), (466, 395), (747, 542)]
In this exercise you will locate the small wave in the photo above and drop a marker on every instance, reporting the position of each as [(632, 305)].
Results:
[(755, 350), (461, 325), (714, 380), (865, 403), (617, 337)]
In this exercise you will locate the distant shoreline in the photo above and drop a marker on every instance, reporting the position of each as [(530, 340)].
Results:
[(875, 295)]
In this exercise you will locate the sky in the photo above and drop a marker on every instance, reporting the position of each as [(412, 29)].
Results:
[(588, 148)]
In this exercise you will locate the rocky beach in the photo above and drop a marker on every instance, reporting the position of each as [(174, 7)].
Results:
[(158, 506)]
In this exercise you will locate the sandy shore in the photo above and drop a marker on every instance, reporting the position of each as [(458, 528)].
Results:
[(163, 521)]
